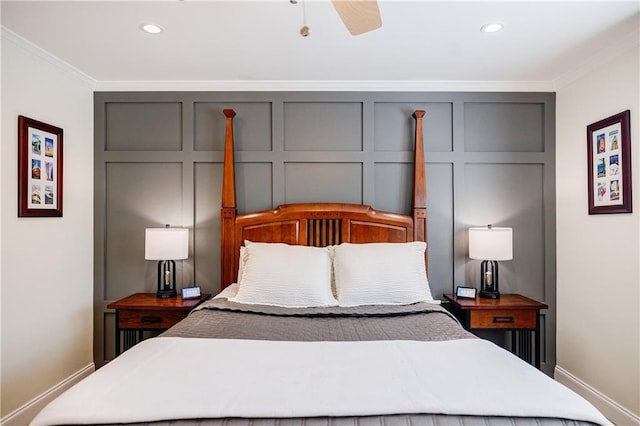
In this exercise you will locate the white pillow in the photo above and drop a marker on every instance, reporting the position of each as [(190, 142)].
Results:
[(381, 274), (285, 275), (241, 261)]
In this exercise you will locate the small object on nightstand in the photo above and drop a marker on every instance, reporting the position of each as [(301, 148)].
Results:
[(468, 292), (490, 245), (166, 245), (191, 292)]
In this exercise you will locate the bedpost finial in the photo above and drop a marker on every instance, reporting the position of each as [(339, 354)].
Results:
[(229, 113)]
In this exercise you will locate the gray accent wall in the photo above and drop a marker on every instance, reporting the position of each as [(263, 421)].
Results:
[(158, 160)]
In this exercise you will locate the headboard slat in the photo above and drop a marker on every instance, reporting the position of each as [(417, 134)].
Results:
[(323, 232)]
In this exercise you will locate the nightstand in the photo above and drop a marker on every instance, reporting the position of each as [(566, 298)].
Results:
[(146, 312), (514, 312)]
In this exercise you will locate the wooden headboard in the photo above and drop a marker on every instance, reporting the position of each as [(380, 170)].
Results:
[(316, 224)]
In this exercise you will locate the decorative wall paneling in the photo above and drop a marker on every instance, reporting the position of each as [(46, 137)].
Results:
[(158, 159)]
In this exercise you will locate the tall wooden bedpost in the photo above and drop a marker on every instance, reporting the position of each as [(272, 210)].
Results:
[(420, 187), (228, 211)]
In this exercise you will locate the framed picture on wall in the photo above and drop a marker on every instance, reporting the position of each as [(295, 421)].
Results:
[(609, 164), (39, 169)]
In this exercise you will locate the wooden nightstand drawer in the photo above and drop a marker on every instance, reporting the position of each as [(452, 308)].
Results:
[(513, 313), (503, 318), (148, 318), (145, 311)]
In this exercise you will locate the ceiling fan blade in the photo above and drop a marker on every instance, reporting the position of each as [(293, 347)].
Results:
[(359, 16)]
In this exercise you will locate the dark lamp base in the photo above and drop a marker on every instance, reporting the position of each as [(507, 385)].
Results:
[(489, 294), (166, 294), (166, 279)]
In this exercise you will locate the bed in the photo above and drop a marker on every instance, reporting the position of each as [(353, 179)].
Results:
[(325, 318)]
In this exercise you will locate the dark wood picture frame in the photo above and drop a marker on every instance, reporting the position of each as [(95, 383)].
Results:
[(40, 174), (609, 164)]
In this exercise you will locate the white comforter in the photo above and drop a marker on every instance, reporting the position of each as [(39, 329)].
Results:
[(185, 378)]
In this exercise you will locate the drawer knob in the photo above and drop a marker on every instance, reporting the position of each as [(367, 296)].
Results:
[(151, 320), (503, 320)]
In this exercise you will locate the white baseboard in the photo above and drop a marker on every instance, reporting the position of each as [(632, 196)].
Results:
[(23, 415), (611, 409)]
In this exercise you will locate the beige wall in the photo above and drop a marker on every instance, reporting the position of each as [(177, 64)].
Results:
[(47, 263), (598, 280)]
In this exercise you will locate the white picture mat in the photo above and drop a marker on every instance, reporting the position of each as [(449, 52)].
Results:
[(43, 169), (607, 162)]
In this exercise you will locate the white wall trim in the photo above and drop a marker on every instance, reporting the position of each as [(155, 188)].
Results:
[(42, 54), (23, 415), (611, 409), (326, 85), (630, 40), (279, 85)]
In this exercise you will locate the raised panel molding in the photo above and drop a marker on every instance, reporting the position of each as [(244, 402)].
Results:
[(206, 226), (323, 182), (252, 132), (143, 126), (504, 127), (138, 195), (326, 126), (490, 157), (394, 126)]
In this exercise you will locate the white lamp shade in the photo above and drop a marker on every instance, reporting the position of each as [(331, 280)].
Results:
[(166, 243), (491, 243)]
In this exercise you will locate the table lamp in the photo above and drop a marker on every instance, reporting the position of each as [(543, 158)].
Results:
[(490, 244), (166, 245)]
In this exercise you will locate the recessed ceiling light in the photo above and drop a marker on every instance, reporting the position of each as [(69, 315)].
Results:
[(151, 28), (491, 28)]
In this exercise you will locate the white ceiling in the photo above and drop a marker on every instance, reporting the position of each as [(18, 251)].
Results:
[(419, 41)]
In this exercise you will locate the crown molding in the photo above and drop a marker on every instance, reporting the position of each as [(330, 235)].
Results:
[(327, 85), (277, 85), (625, 43), (38, 52)]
